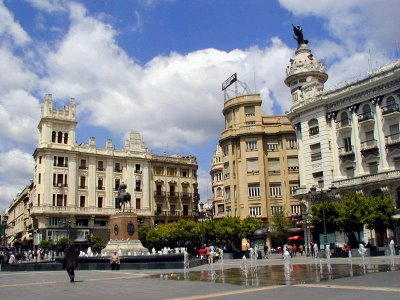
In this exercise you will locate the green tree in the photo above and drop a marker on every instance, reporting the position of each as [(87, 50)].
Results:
[(46, 245), (378, 215), (331, 216), (97, 243), (351, 216), (249, 225), (62, 244), (228, 232), (280, 228)]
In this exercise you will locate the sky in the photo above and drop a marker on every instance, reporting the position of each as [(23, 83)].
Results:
[(156, 66)]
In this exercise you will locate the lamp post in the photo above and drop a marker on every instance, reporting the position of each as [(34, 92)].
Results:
[(201, 214), (323, 196), (67, 225)]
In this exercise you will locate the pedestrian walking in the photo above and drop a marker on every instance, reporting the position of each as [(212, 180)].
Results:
[(71, 262)]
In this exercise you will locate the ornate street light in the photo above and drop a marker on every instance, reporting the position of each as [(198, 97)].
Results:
[(201, 215), (322, 196)]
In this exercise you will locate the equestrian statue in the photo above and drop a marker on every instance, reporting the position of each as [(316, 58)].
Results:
[(123, 197)]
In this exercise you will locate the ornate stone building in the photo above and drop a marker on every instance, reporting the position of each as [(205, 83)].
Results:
[(348, 137), (75, 185), (255, 167)]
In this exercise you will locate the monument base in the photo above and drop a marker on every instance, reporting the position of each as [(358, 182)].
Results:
[(126, 247)]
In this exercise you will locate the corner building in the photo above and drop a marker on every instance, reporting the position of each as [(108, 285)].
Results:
[(348, 137), (75, 185), (255, 170)]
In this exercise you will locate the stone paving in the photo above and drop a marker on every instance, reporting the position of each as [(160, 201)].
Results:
[(144, 284)]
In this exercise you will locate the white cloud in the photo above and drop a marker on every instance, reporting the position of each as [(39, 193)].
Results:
[(16, 171), (174, 99), (9, 28), (49, 6)]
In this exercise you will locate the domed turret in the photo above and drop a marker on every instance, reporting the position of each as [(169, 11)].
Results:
[(305, 76)]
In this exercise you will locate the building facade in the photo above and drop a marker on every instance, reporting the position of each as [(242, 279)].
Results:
[(349, 137), (75, 185), (255, 170)]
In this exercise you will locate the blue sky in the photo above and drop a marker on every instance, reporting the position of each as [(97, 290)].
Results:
[(157, 66)]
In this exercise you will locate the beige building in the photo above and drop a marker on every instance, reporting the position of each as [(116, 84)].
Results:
[(255, 167), (18, 221), (75, 185)]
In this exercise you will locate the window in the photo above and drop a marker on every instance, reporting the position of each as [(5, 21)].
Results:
[(315, 152), (172, 190), (57, 221), (272, 144), (158, 189), (293, 164), (226, 171), (118, 167), (138, 203), (252, 165), (275, 190), (100, 183), (184, 172), (250, 111), (291, 143), (99, 202), (60, 161), (293, 186), (117, 183), (171, 171), (53, 136), (347, 144), (138, 184), (255, 211), (65, 138), (100, 222), (158, 170), (295, 209), (220, 208), (313, 127), (100, 165), (250, 123), (82, 184), (59, 200), (253, 190), (82, 200), (251, 145), (82, 222), (228, 193), (349, 172), (274, 165), (373, 167), (83, 164), (318, 178), (59, 137), (276, 209), (225, 150), (39, 178), (137, 169), (38, 199), (218, 177)]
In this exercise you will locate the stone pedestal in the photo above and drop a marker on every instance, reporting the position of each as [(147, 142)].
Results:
[(124, 235)]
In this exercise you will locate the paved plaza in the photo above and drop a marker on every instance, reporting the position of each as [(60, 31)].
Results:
[(151, 284)]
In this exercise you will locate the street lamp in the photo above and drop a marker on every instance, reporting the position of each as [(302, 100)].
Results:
[(67, 225), (202, 214), (322, 196)]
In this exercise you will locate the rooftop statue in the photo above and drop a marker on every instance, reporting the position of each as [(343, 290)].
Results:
[(298, 35)]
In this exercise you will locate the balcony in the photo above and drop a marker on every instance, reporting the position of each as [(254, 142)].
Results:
[(159, 194), (83, 167), (100, 188), (173, 194), (366, 117), (100, 169), (186, 195), (60, 165), (369, 145), (118, 170), (293, 168), (343, 124), (83, 186), (392, 141), (60, 185), (138, 189), (392, 109), (346, 152)]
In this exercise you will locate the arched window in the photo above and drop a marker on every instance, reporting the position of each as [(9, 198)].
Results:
[(377, 193), (219, 192), (313, 127), (59, 137), (53, 136), (366, 108), (390, 101), (65, 138), (344, 119)]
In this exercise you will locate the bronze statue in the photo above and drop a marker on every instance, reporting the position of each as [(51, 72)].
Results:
[(123, 197), (298, 35)]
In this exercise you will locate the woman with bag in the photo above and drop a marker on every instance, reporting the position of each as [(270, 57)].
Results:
[(71, 262)]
